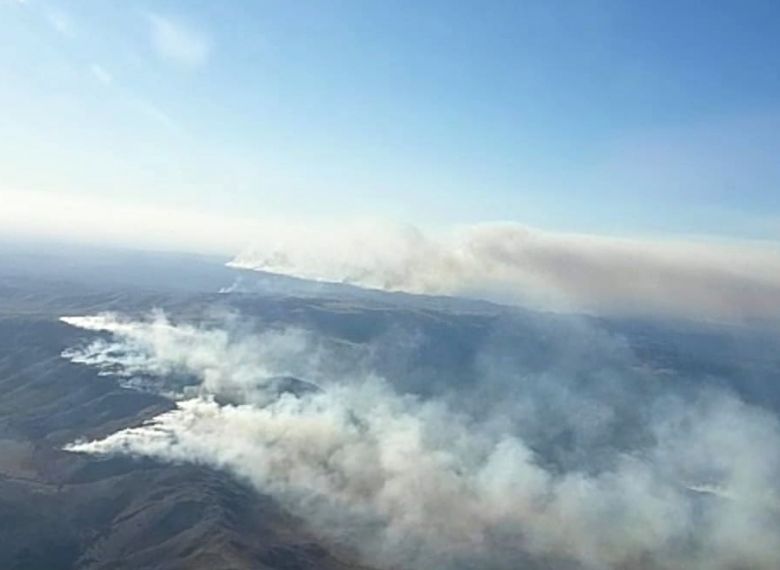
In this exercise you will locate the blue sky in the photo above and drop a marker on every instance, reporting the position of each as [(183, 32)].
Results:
[(603, 117)]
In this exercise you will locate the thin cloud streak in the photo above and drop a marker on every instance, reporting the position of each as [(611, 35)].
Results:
[(178, 43), (101, 74), (61, 22)]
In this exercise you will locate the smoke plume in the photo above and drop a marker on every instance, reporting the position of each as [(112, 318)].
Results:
[(512, 263), (429, 482)]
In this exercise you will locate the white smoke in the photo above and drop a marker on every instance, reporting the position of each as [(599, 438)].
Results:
[(222, 364), (509, 262), (418, 483)]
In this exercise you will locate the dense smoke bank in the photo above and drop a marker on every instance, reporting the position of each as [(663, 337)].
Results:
[(429, 482), (512, 263)]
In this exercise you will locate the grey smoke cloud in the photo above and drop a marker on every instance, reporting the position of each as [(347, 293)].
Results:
[(424, 483), (510, 262), (222, 363)]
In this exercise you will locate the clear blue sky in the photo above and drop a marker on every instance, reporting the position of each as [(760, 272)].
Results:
[(609, 117)]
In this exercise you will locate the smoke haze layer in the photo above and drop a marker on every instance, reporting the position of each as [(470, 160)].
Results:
[(513, 263), (435, 481)]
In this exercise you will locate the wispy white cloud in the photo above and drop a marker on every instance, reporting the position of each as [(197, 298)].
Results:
[(101, 74), (61, 22), (177, 42), (153, 112), (137, 103)]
